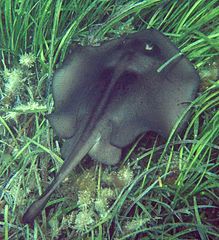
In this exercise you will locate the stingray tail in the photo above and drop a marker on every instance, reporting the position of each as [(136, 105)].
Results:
[(69, 164)]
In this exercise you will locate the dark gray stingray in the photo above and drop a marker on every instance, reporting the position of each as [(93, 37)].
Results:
[(106, 96)]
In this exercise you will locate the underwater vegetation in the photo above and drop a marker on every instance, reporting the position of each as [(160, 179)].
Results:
[(161, 189)]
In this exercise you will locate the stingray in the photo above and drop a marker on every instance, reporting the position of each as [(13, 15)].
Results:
[(105, 96)]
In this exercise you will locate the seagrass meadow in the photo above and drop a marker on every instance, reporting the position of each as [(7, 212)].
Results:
[(162, 188)]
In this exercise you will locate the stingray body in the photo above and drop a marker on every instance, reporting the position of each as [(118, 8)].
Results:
[(106, 96)]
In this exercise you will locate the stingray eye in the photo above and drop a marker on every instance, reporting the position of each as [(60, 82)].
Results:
[(151, 48), (125, 81)]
